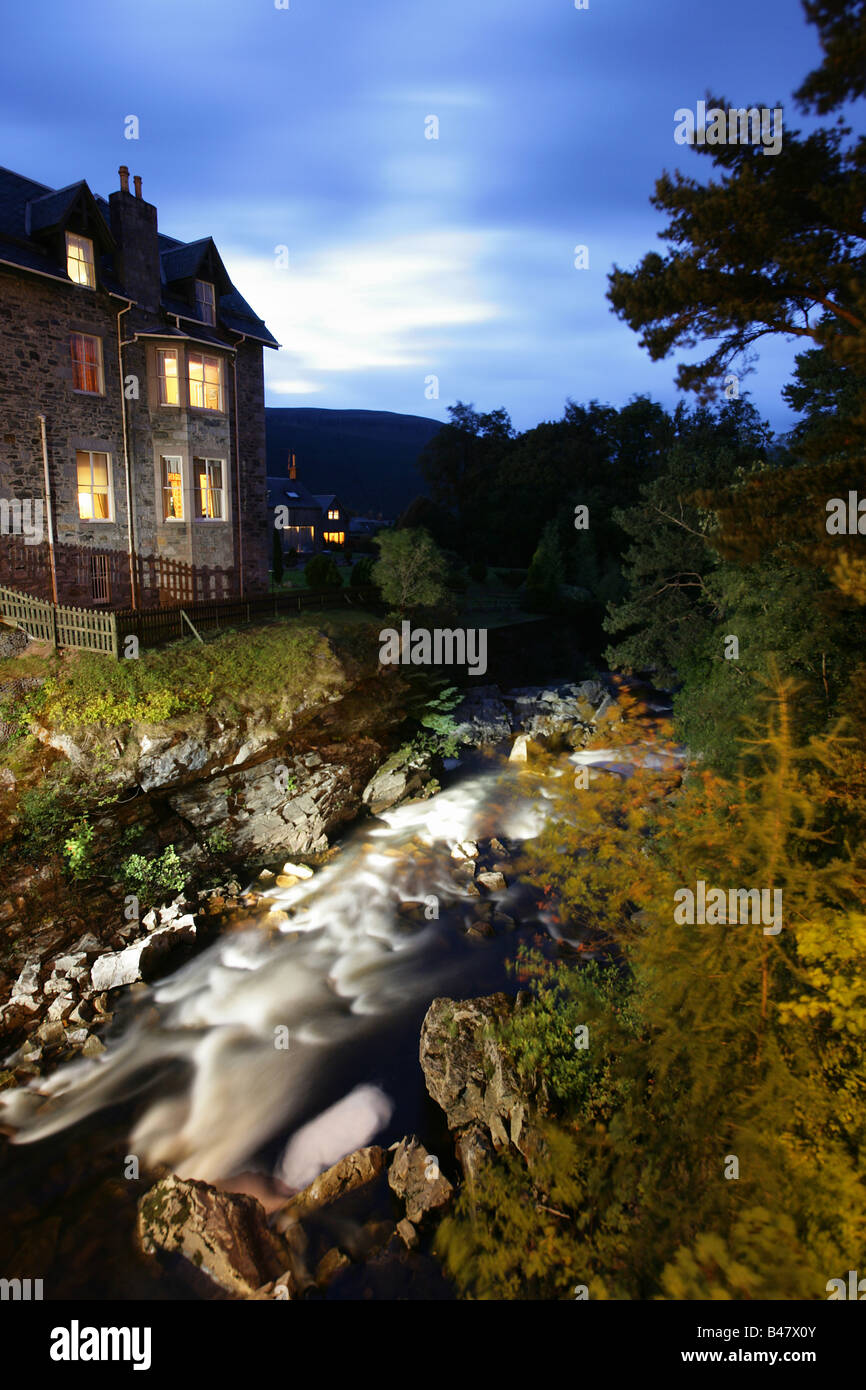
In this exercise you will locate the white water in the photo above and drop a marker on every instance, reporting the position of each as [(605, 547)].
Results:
[(343, 965)]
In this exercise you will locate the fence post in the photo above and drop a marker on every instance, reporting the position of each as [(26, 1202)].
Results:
[(115, 646)]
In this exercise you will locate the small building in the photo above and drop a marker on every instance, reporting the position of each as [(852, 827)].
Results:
[(308, 521), (333, 519)]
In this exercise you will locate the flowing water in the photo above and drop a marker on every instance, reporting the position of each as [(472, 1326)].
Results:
[(294, 1039)]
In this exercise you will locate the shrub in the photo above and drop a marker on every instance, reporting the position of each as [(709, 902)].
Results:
[(321, 573), (411, 571), (150, 878), (290, 559), (78, 849), (362, 573)]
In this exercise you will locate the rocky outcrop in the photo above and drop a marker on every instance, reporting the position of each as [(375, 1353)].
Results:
[(566, 711), (470, 1076), (402, 776), (222, 1237), (415, 1178), (354, 1171)]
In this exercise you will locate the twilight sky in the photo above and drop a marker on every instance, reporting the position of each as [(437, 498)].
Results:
[(407, 257)]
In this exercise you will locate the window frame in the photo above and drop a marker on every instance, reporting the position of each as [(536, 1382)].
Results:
[(223, 489), (81, 260), (166, 488), (208, 302), (162, 378), (109, 491), (76, 363), (205, 358)]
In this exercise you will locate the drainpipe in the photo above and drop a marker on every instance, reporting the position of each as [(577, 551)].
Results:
[(126, 464), (238, 344), (48, 508)]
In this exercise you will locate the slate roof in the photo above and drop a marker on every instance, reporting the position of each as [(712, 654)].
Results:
[(28, 208), (326, 500), (288, 492)]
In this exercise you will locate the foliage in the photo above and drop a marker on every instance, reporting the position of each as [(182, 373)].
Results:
[(321, 572), (546, 572), (277, 666), (152, 878), (724, 1042), (218, 841), (362, 572), (411, 570), (78, 849)]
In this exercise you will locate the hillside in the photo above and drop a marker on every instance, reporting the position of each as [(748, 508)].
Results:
[(368, 457)]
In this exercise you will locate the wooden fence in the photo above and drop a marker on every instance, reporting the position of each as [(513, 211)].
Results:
[(98, 630)]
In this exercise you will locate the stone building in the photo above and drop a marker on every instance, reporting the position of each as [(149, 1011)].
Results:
[(131, 406)]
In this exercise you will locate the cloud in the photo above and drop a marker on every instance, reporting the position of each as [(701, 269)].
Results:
[(381, 303)]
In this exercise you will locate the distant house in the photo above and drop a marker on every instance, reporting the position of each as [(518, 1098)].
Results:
[(132, 404), (307, 522), (333, 519)]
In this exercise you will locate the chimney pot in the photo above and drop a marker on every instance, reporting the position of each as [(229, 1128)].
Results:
[(123, 172), (136, 179)]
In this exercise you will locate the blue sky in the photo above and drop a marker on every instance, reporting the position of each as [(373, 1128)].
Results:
[(407, 257)]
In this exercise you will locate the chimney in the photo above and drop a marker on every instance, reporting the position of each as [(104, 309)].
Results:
[(136, 179), (293, 472), (133, 226)]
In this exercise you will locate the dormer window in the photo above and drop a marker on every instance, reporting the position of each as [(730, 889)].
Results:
[(334, 515), (80, 265), (205, 301)]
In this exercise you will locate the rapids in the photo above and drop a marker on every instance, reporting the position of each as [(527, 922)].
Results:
[(335, 966)]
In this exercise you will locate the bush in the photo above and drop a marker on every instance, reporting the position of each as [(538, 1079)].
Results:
[(150, 879), (411, 570), (321, 573), (78, 849), (290, 559), (362, 573)]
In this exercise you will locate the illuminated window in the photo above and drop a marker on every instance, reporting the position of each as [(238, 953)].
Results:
[(333, 516), (205, 382), (86, 363), (169, 385), (209, 489), (172, 488), (335, 537), (80, 265), (205, 301), (94, 485)]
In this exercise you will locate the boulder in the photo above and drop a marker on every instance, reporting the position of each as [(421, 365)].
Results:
[(470, 1077), (482, 717), (354, 1171), (415, 1178), (399, 778), (223, 1236), (139, 960), (474, 1149)]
